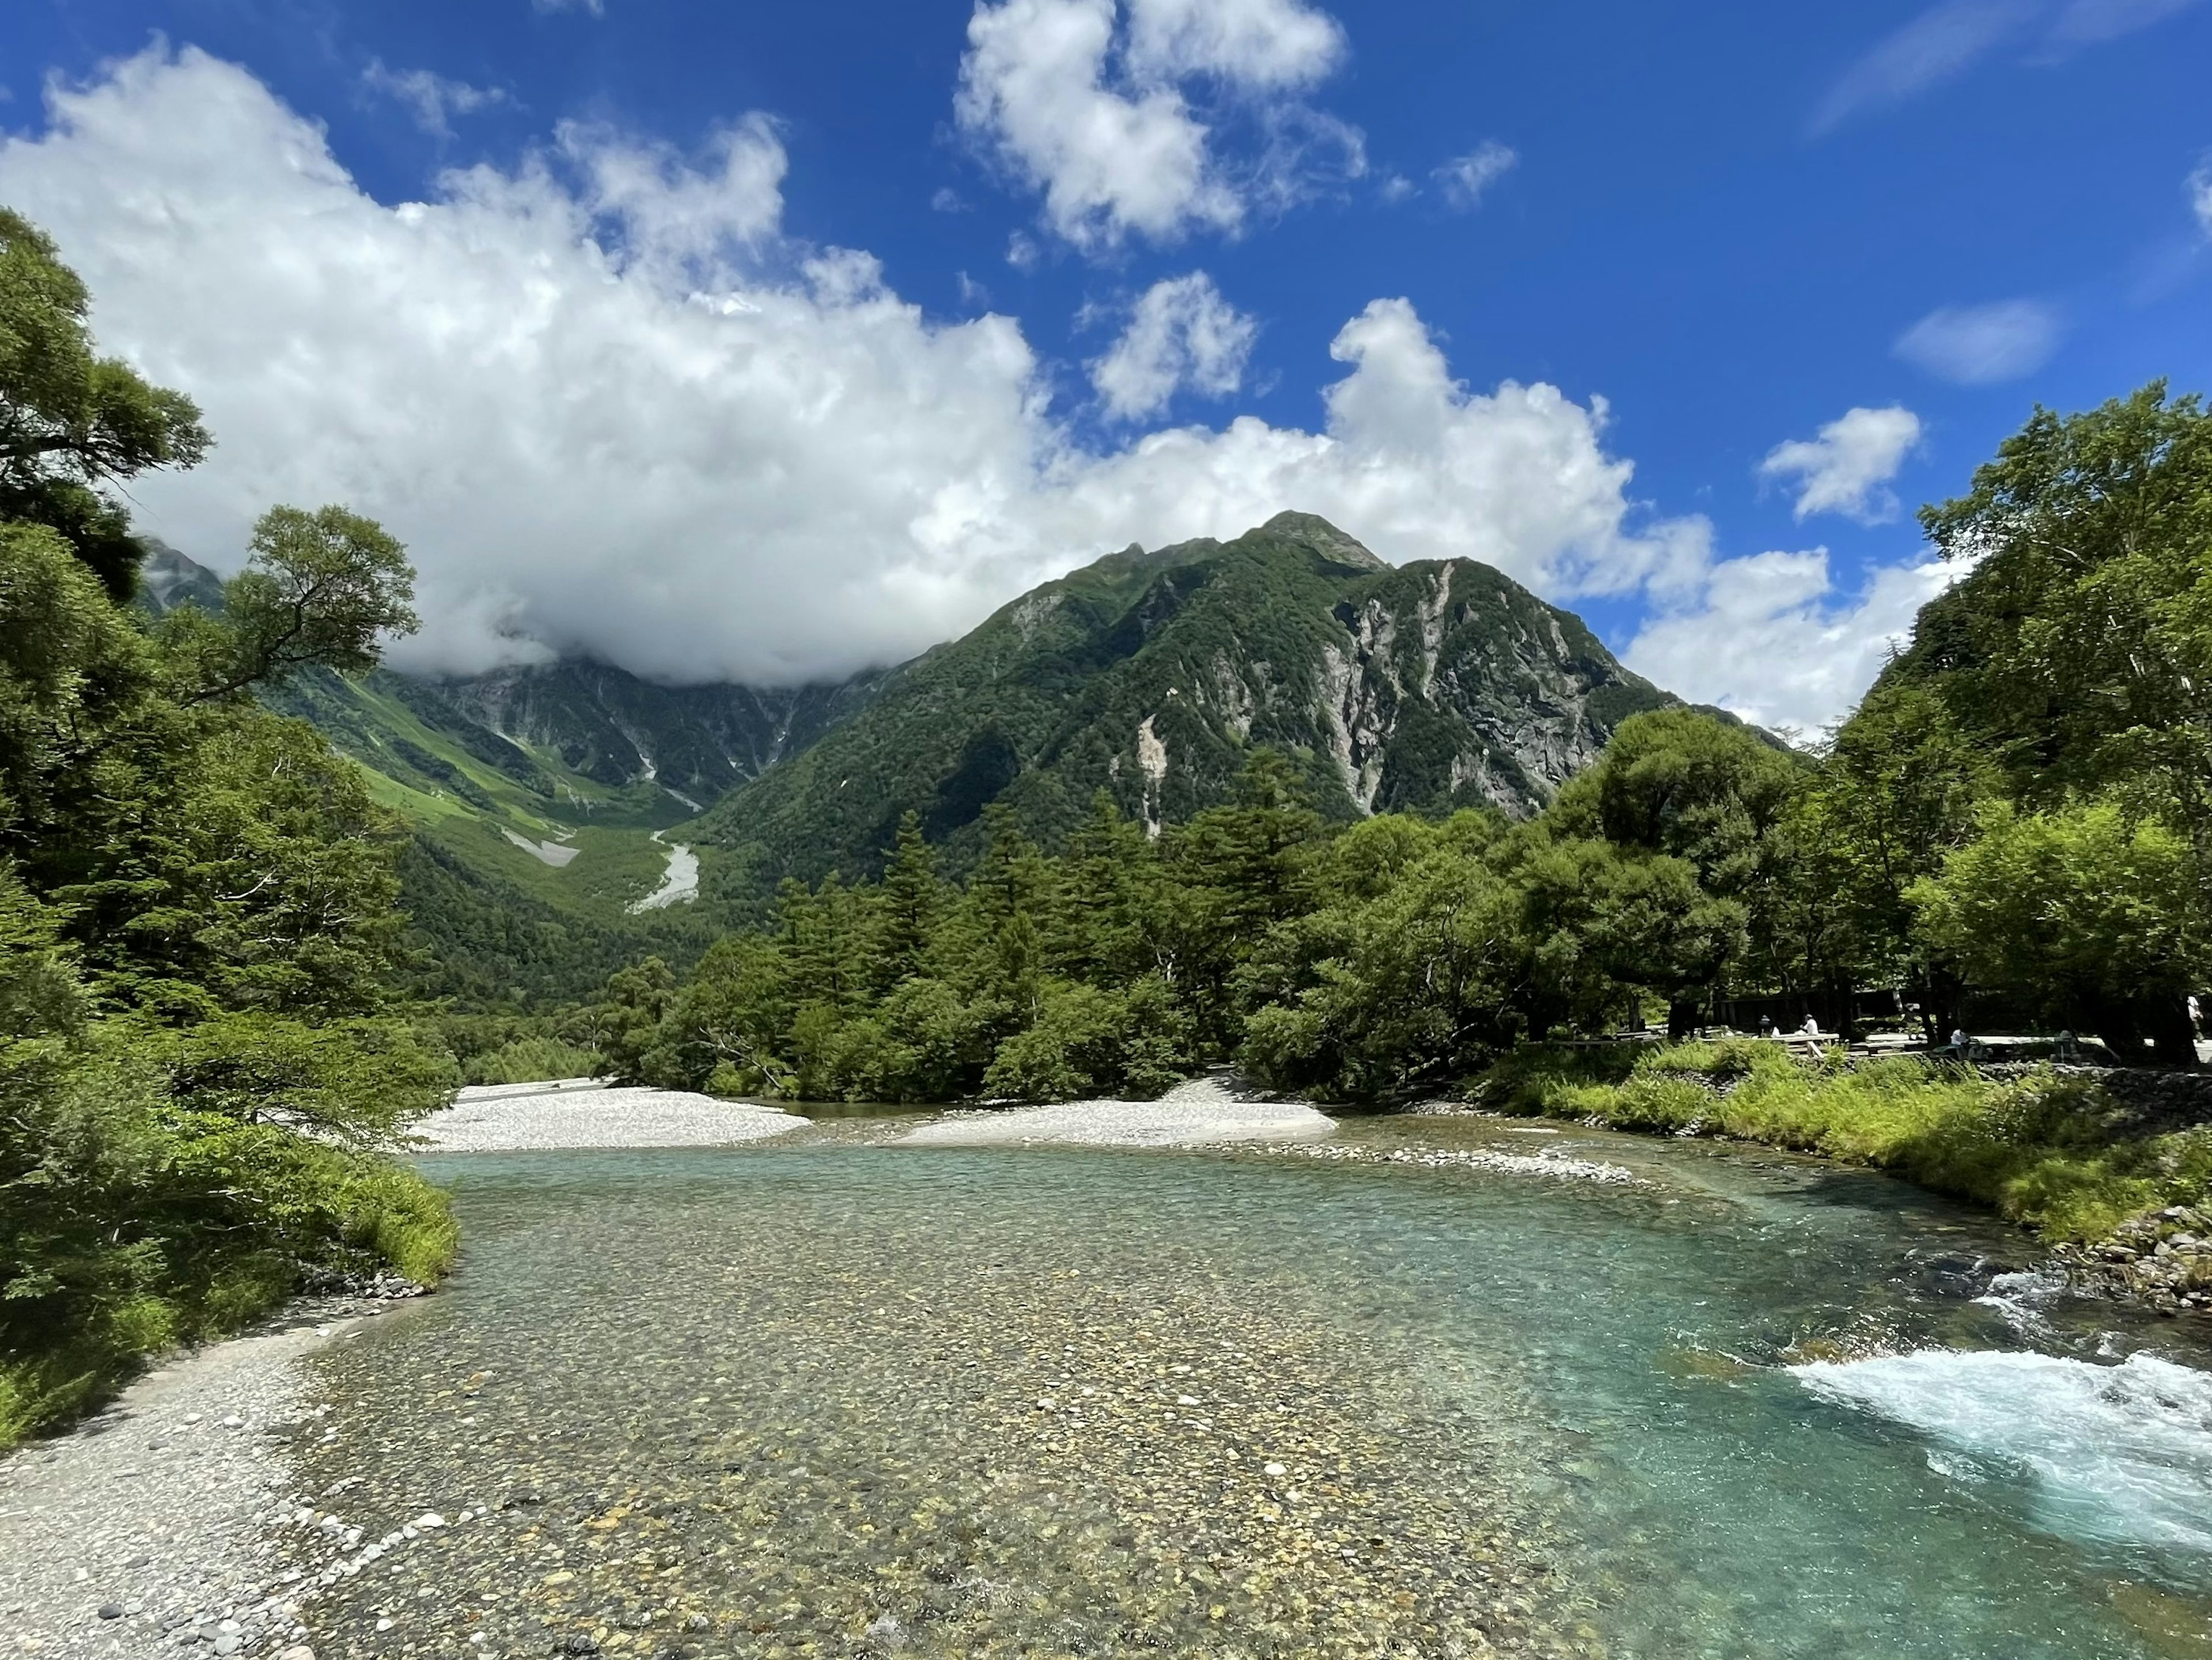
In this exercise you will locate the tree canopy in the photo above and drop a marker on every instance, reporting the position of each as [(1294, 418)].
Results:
[(73, 424)]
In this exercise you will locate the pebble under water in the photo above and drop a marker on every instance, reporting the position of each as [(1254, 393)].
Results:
[(1401, 1394)]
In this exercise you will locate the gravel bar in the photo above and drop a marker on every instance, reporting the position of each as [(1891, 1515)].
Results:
[(500, 1118), (145, 1529), (1202, 1113)]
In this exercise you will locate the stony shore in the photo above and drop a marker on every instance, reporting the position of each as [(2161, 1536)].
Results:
[(1204, 1112), (149, 1528), (578, 1113)]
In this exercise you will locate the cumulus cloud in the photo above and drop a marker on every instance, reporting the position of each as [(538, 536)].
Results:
[(1466, 178), (1276, 43), (1772, 641), (671, 215), (782, 473), (1094, 111), (434, 99), (1182, 333), (1953, 35), (1983, 345), (1847, 467)]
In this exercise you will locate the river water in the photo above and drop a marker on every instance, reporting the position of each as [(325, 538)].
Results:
[(831, 1396)]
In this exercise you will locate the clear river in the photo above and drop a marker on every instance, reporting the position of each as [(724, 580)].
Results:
[(1394, 1395)]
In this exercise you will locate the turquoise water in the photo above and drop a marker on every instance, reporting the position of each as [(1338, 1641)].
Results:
[(1743, 1407)]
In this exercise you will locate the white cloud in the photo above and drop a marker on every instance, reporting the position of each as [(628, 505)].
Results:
[(1773, 642), (1182, 334), (594, 8), (671, 215), (1097, 116), (1936, 45), (1953, 35), (1465, 178), (2084, 22), (1983, 345), (1846, 469), (2200, 194), (1278, 44), (434, 98), (782, 472)]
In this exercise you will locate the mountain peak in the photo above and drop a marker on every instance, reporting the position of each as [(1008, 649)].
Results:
[(1323, 538)]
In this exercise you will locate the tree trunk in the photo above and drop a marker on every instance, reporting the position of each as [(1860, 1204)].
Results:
[(2173, 1040)]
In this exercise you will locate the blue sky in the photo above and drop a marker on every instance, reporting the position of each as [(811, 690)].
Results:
[(713, 443)]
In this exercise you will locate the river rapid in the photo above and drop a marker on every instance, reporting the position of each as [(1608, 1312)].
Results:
[(1439, 1387)]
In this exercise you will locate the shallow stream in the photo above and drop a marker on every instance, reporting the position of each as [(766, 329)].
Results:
[(828, 1396)]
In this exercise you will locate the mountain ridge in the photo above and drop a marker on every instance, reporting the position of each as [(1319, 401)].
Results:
[(1152, 674)]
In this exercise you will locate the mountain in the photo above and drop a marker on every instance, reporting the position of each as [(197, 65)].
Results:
[(1151, 675), (546, 800)]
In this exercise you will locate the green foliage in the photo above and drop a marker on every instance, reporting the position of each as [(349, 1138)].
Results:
[(2094, 915), (2051, 1151), (201, 1076), (318, 590), (73, 423), (529, 1060), (2081, 646)]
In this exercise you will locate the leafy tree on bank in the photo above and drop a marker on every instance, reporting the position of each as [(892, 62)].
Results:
[(200, 1067), (73, 423), (2079, 648), (2089, 912)]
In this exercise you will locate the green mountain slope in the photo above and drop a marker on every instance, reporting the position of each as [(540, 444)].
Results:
[(537, 795), (1424, 687)]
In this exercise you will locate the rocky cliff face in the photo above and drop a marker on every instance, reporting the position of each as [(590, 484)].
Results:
[(696, 742)]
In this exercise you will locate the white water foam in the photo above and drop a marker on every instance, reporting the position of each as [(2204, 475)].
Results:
[(2021, 1299), (2114, 1455)]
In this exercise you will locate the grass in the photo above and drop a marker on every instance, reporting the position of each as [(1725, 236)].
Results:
[(355, 1214), (530, 1060), (2052, 1152)]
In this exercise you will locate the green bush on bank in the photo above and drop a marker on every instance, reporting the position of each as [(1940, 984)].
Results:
[(531, 1061), (2051, 1152)]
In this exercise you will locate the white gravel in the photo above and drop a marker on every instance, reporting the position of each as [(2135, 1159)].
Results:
[(1204, 1112), (1554, 1166), (158, 1509), (508, 1117)]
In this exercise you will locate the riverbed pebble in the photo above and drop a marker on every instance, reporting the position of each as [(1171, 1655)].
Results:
[(504, 1120), (181, 1561), (1205, 1112), (1556, 1166)]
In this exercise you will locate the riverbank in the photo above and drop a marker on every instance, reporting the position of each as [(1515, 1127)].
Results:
[(2122, 1194), (148, 1523), (1207, 1111), (582, 1113)]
